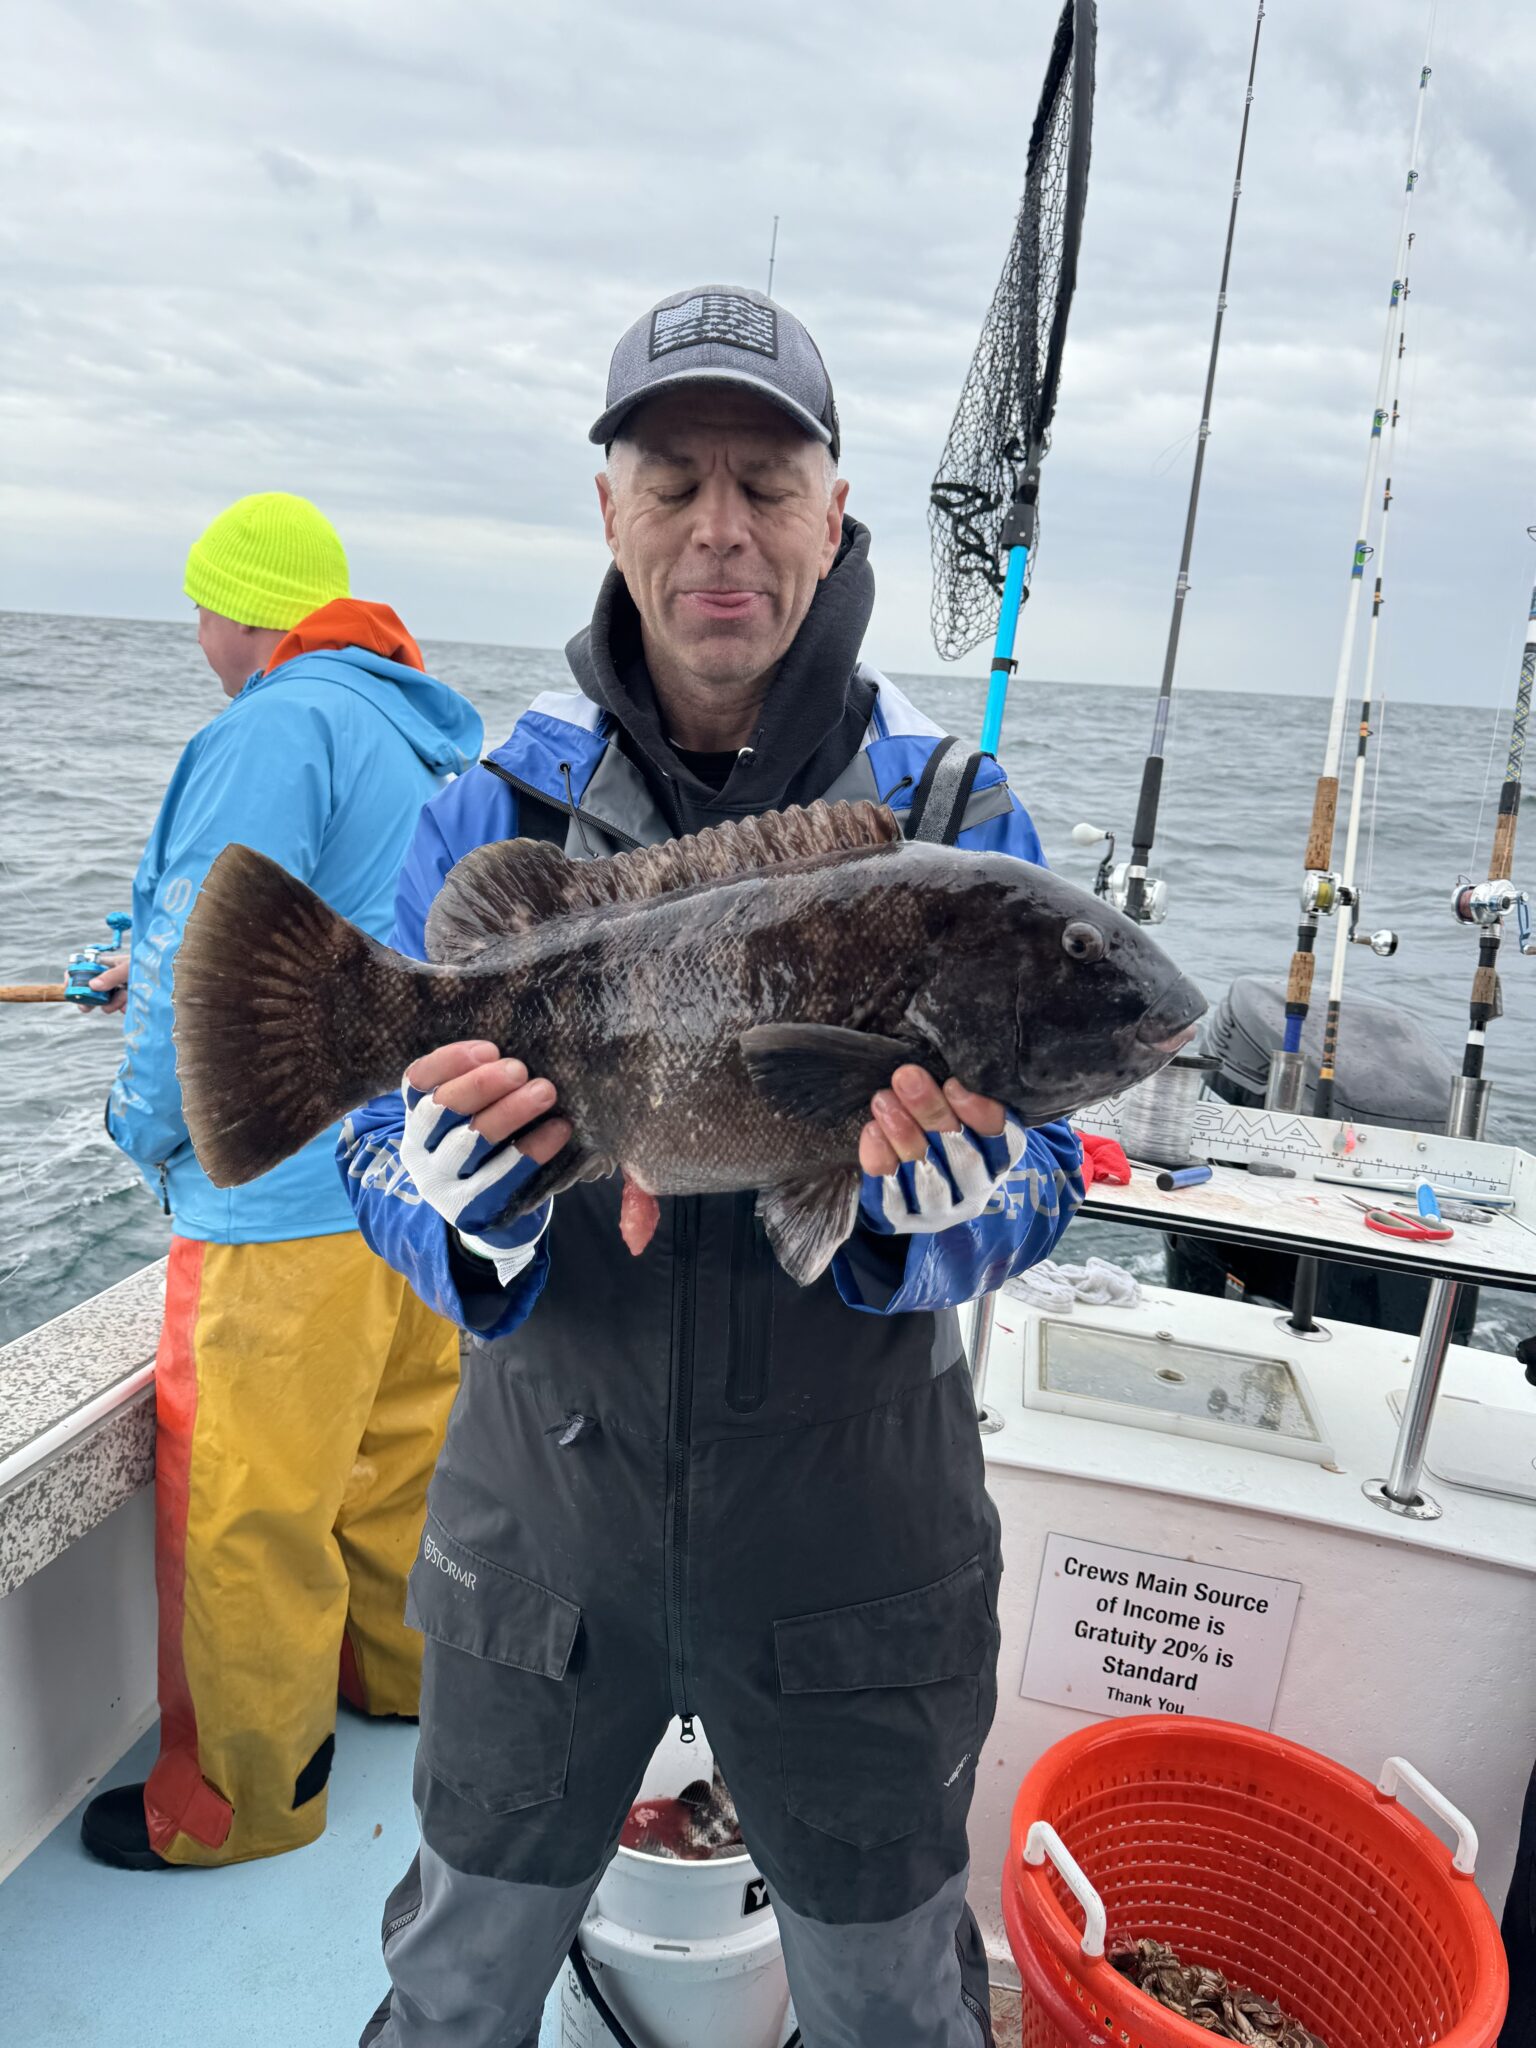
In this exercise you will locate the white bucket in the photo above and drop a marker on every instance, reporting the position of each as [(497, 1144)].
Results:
[(686, 1954)]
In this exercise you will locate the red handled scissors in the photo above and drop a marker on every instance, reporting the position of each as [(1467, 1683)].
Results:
[(1403, 1223)]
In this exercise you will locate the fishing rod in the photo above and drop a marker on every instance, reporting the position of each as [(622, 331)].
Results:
[(983, 504), (984, 501), (1487, 905), (78, 975), (1320, 885), (1139, 895), (1346, 931)]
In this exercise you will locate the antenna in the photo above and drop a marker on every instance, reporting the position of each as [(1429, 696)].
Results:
[(773, 250)]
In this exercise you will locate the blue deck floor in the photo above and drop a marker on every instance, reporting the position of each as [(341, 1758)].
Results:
[(280, 1954)]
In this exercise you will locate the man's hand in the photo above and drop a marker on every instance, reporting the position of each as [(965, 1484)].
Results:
[(465, 1106), (912, 1107), (935, 1157), (113, 976), (496, 1097)]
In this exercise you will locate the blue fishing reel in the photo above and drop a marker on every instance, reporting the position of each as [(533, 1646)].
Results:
[(88, 963)]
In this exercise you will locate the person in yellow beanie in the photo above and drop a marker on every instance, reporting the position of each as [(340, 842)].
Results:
[(301, 1387)]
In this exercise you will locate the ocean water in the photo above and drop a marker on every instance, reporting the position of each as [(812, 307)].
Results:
[(96, 712)]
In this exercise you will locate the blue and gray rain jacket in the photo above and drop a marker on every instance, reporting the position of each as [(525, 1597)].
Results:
[(323, 764), (564, 751)]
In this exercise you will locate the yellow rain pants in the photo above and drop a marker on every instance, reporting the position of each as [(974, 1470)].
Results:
[(301, 1394)]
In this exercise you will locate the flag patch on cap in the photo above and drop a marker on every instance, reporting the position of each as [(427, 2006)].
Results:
[(714, 317)]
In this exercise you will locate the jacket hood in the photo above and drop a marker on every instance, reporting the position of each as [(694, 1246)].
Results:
[(814, 714), (366, 649)]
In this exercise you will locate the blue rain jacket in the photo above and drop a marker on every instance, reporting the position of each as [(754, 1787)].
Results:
[(569, 735), (323, 764)]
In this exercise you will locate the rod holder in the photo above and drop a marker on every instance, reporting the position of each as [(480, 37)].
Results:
[(983, 1315), (1469, 1107), (1287, 1082)]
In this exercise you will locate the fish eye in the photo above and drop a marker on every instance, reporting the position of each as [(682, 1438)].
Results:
[(1082, 941)]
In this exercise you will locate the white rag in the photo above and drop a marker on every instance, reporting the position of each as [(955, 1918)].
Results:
[(1055, 1288)]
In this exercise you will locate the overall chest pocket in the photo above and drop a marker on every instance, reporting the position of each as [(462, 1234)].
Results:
[(880, 1707), (499, 1677)]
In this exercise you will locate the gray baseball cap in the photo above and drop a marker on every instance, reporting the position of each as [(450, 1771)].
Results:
[(721, 334)]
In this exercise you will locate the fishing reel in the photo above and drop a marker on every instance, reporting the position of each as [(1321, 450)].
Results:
[(1488, 904), (1322, 893), (1111, 882), (85, 965)]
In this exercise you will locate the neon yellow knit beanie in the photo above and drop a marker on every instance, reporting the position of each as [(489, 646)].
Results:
[(269, 561)]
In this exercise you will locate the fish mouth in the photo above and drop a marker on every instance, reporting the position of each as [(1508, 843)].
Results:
[(1171, 1017), (1165, 1048)]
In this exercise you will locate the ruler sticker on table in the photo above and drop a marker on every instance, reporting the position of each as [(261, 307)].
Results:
[(1319, 1148), (1129, 1632)]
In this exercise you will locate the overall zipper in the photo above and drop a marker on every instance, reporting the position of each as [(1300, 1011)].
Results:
[(679, 1429)]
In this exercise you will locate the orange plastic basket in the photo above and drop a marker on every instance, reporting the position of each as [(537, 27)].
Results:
[(1256, 1857)]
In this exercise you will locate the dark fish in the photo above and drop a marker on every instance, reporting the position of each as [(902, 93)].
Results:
[(698, 1824), (715, 1012)]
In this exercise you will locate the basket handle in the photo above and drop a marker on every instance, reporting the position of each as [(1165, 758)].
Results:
[(1397, 1770), (1041, 1842)]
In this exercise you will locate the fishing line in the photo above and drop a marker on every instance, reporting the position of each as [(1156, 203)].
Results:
[(1482, 806), (1161, 464), (1381, 748)]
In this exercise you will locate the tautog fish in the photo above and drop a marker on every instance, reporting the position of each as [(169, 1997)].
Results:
[(715, 1012)]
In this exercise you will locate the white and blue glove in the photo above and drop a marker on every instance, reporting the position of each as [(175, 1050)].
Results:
[(470, 1183), (955, 1183)]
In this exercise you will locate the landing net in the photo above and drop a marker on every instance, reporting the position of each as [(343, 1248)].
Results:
[(1001, 427)]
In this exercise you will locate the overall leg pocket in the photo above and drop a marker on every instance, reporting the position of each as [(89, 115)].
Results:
[(499, 1676), (880, 1706)]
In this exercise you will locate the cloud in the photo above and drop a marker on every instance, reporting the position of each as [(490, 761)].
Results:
[(380, 255), (288, 172)]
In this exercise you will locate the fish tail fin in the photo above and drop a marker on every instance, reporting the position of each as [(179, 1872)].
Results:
[(287, 1016)]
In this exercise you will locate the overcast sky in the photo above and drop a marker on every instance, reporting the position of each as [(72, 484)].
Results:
[(378, 253)]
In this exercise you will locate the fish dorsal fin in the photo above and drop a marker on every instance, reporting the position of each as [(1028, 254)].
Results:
[(504, 890)]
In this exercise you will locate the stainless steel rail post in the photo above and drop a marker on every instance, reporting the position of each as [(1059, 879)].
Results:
[(983, 1313), (1400, 1492)]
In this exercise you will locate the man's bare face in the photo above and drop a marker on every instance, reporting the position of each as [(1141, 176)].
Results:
[(722, 516)]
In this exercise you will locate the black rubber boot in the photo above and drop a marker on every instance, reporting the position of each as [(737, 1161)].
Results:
[(113, 1828)]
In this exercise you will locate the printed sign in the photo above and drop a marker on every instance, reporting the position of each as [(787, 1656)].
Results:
[(1128, 1632), (755, 1898)]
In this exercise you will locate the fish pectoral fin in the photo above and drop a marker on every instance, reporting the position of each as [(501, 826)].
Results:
[(822, 1072), (806, 1221), (572, 1163)]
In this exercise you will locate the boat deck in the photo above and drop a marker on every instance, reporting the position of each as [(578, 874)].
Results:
[(278, 1954)]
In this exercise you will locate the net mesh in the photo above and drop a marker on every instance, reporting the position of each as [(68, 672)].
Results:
[(1002, 422)]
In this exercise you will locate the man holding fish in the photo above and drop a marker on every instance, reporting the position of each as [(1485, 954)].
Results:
[(715, 1453)]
